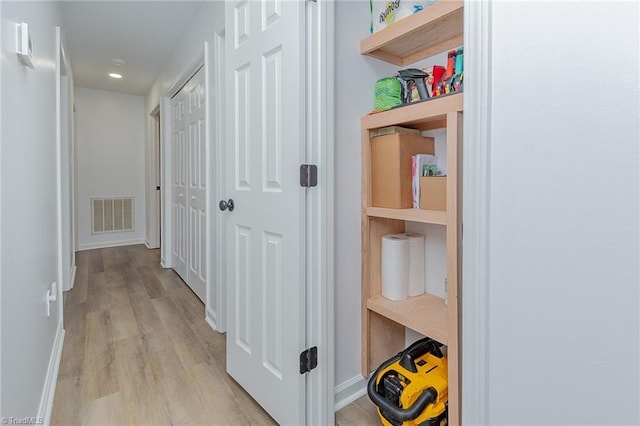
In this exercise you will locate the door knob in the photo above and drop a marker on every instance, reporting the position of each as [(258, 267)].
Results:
[(224, 205)]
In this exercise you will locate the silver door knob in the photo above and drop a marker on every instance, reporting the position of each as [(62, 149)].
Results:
[(224, 205)]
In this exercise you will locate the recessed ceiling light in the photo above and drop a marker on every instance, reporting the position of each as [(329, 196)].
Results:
[(115, 75), (118, 62)]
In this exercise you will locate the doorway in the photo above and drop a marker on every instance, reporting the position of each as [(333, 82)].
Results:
[(154, 167)]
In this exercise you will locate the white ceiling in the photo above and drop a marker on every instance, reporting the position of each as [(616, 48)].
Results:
[(143, 33)]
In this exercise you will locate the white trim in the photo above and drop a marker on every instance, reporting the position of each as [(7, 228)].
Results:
[(105, 244), (319, 209), (217, 233), (211, 318), (59, 68), (74, 270), (166, 236), (476, 202), (49, 389), (184, 77), (349, 391), (209, 189), (152, 227)]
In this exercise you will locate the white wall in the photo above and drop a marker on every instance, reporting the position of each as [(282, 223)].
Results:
[(110, 160), (563, 231), (29, 210), (355, 76)]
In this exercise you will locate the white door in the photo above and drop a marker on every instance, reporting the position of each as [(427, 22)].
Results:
[(196, 191), (178, 181), (189, 180), (265, 236)]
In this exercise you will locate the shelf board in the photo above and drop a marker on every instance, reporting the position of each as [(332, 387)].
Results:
[(426, 314), (413, 215), (420, 115), (435, 29)]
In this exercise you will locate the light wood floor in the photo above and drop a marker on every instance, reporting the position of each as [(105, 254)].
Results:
[(137, 351)]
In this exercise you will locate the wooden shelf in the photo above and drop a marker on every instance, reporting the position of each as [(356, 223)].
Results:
[(437, 28), (413, 215), (427, 115), (426, 314)]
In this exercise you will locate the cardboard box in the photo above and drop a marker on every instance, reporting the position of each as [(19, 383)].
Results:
[(433, 193), (391, 168), (397, 129)]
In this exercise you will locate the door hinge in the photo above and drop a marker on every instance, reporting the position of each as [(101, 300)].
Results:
[(308, 175), (308, 360)]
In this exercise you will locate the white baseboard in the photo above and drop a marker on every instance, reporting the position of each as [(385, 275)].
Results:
[(212, 319), (49, 391), (347, 392), (105, 244), (74, 270), (151, 246)]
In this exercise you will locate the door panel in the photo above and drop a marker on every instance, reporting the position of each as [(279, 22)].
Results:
[(266, 229)]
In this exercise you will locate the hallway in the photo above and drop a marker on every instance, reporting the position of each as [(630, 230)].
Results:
[(137, 351)]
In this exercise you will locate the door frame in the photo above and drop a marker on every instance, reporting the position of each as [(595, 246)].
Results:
[(154, 179), (65, 231), (475, 215), (320, 209), (215, 309)]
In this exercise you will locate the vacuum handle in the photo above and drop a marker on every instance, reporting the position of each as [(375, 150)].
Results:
[(427, 397), (408, 356)]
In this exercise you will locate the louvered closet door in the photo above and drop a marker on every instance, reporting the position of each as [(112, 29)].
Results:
[(179, 183), (265, 237)]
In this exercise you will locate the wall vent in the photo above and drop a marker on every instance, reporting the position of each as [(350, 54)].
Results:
[(112, 215)]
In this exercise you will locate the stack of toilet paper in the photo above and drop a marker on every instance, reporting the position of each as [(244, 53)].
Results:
[(402, 265)]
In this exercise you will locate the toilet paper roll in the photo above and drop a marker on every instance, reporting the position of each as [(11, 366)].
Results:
[(395, 266), (416, 263)]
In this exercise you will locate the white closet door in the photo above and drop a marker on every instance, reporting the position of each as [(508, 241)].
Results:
[(189, 183)]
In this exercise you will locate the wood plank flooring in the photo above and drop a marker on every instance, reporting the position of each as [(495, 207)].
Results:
[(138, 351)]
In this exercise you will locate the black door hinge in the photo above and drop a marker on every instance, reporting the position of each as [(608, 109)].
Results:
[(308, 360), (308, 175)]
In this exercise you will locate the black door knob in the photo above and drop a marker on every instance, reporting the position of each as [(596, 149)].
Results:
[(224, 205)]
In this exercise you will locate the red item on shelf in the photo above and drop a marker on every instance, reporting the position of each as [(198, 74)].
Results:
[(451, 61)]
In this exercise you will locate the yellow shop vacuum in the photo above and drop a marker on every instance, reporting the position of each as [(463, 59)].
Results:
[(411, 388)]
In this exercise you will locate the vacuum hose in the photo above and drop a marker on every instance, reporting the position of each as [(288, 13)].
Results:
[(427, 397)]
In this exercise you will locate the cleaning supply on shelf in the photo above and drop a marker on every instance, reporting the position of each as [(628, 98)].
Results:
[(434, 75), (413, 84), (387, 12), (412, 388)]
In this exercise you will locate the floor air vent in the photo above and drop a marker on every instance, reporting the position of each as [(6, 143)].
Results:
[(111, 215)]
